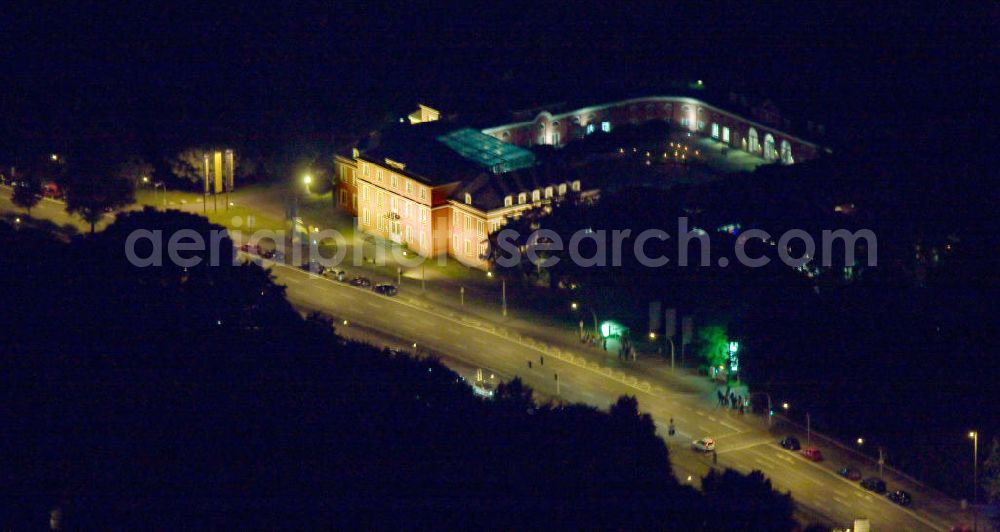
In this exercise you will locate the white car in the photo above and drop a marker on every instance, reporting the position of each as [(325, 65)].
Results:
[(704, 445)]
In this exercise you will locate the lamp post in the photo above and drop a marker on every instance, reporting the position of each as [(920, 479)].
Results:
[(597, 328), (306, 180), (157, 185), (974, 435)]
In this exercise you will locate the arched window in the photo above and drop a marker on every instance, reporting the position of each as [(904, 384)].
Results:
[(786, 152), (508, 201), (752, 142), (468, 198), (522, 198), (770, 153), (536, 195), (575, 185), (562, 189), (548, 192)]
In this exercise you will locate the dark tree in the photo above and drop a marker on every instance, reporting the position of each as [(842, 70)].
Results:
[(92, 195), (747, 502), (27, 192)]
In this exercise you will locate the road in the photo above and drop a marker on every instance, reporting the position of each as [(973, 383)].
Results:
[(743, 443), (467, 342)]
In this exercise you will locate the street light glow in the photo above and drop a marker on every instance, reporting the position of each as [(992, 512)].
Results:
[(784, 405), (861, 441), (652, 335), (573, 305), (972, 434), (307, 179)]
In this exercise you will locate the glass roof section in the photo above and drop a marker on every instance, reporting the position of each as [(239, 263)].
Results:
[(487, 151)]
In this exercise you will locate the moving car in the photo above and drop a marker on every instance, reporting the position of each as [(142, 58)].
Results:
[(339, 275), (849, 473), (812, 453), (873, 484), (900, 497), (704, 445), (385, 289), (363, 282), (247, 248), (314, 267), (790, 442)]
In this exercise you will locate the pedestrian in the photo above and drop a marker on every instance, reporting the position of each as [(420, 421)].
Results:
[(732, 399), (718, 394), (541, 360), (529, 364), (605, 343), (670, 428)]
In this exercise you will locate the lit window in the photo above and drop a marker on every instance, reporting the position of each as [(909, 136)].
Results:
[(685, 122), (423, 193), (536, 195), (454, 243), (408, 186), (575, 185), (468, 247), (367, 170), (378, 174), (701, 125), (548, 192), (468, 222), (562, 189), (590, 128), (725, 134), (394, 203), (366, 217), (715, 130), (480, 227), (522, 198), (555, 138), (394, 180), (380, 198), (508, 201), (456, 219), (468, 198), (606, 127)]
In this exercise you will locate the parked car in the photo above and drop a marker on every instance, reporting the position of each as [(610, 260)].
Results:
[(704, 445), (363, 282), (385, 289), (849, 473), (790, 442), (812, 453), (339, 275), (267, 253), (873, 484), (313, 266), (900, 497)]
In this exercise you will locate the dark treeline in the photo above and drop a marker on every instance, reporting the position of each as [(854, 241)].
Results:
[(166, 397)]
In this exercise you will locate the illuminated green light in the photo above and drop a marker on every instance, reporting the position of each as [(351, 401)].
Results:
[(611, 328)]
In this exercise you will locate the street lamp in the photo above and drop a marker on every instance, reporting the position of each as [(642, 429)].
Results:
[(861, 441), (974, 435), (784, 406), (597, 328)]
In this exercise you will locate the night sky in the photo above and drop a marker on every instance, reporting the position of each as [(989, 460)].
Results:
[(164, 75)]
